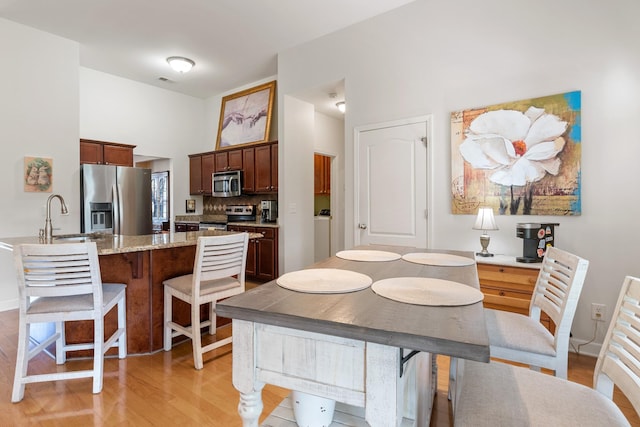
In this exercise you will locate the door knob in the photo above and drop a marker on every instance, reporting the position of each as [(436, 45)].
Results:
[(362, 226)]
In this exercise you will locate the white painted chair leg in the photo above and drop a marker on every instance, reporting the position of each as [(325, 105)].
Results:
[(196, 337), (98, 356), (61, 342), (167, 321), (212, 318), (122, 324), (22, 359)]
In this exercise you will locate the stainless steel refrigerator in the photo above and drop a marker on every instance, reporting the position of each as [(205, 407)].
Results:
[(115, 199)]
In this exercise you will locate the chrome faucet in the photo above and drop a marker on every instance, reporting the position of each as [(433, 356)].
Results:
[(48, 229)]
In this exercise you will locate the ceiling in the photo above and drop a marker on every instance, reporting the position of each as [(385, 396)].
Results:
[(233, 42)]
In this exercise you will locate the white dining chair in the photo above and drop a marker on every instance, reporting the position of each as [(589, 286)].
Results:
[(58, 283), (218, 272), (499, 394), (519, 338)]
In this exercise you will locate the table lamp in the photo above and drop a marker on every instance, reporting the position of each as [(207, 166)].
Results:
[(484, 222)]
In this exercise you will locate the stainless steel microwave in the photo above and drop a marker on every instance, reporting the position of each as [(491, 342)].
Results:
[(226, 184)]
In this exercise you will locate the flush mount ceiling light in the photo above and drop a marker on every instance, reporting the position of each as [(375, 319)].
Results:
[(180, 64), (341, 106)]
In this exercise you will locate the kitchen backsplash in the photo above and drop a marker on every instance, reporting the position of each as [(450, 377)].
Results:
[(217, 205)]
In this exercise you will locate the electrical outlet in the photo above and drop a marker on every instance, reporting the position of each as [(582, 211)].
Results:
[(598, 311)]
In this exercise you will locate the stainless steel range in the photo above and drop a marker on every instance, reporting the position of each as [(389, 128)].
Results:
[(238, 213), (204, 225)]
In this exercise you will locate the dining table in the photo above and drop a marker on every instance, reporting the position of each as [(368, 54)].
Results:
[(355, 347)]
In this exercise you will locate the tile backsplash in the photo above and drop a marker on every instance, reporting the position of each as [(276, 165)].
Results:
[(217, 205)]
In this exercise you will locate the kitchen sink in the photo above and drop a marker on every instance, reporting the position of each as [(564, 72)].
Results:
[(80, 237)]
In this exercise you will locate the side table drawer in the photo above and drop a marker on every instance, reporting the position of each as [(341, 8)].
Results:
[(512, 278)]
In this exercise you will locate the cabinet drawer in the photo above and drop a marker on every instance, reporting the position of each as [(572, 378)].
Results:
[(506, 292), (513, 278), (514, 303), (267, 233), (501, 303)]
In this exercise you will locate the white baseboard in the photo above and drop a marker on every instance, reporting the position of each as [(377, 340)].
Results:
[(9, 305), (591, 349)]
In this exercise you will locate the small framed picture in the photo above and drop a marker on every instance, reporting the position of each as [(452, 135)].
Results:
[(38, 174), (191, 206)]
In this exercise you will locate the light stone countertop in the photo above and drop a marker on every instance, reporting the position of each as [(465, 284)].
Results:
[(113, 244)]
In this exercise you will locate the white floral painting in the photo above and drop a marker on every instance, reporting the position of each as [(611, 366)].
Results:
[(521, 158)]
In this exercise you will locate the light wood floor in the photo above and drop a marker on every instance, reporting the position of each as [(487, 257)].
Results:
[(164, 389)]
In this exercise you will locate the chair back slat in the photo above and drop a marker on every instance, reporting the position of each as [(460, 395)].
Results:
[(54, 270), (558, 288), (220, 256), (619, 359)]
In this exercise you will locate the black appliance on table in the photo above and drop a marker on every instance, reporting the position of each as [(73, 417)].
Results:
[(537, 237)]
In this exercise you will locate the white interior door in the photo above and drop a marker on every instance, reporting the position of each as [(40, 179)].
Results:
[(391, 184)]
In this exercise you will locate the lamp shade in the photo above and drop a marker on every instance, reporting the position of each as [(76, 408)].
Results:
[(180, 64), (485, 220), (341, 106)]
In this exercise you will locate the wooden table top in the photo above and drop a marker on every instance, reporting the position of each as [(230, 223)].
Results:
[(363, 315)]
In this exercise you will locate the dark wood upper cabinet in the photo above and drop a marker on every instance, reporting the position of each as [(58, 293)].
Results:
[(266, 168), (201, 167), (105, 153), (248, 170), (321, 174), (259, 166), (228, 160)]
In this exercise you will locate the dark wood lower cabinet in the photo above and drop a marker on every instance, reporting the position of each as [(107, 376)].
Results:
[(262, 257)]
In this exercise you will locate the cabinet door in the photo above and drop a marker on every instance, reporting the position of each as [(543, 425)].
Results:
[(248, 171), (117, 155), (317, 174), (207, 171), (263, 169), (321, 174), (105, 153), (228, 160), (195, 175), (327, 174), (221, 162), (274, 167), (90, 153), (235, 160), (252, 249), (266, 252)]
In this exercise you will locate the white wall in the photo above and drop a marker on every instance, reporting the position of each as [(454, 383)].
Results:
[(329, 140), (295, 182), (436, 56), (38, 117), (160, 123)]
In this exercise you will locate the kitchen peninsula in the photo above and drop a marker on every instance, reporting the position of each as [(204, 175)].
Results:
[(142, 263)]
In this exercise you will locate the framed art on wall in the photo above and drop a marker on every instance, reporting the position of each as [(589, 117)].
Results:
[(245, 117), (38, 174), (520, 158), (190, 206)]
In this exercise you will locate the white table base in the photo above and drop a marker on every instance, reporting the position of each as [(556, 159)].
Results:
[(361, 374)]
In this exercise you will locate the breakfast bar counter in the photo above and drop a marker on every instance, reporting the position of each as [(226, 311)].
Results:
[(350, 346), (142, 263)]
